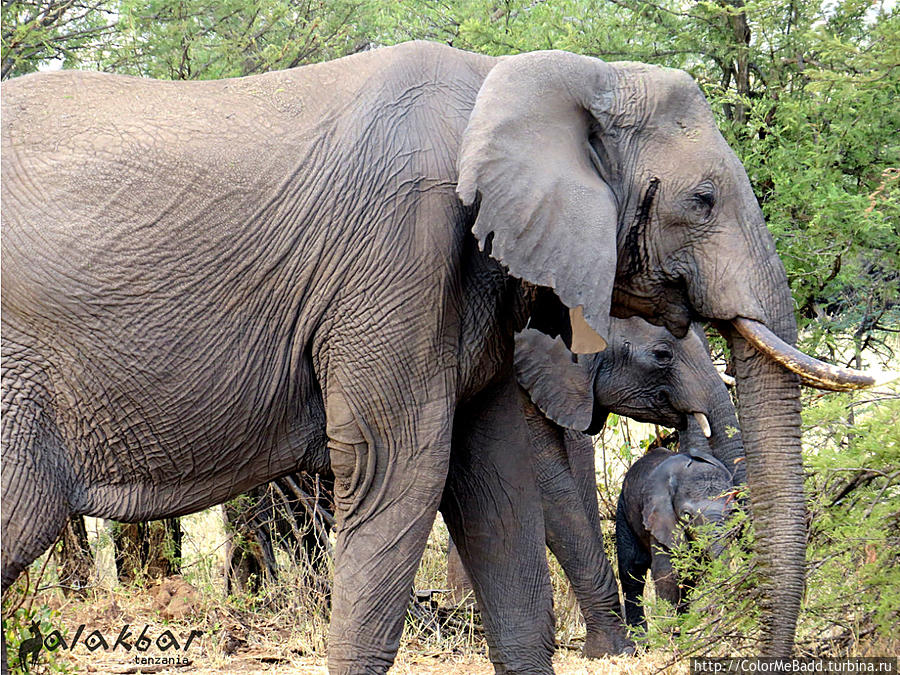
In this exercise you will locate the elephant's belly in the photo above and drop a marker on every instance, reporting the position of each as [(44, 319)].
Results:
[(154, 464), (224, 476)]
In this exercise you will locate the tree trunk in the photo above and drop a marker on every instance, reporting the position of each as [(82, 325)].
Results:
[(461, 591), (74, 558), (251, 560), (739, 67), (293, 513), (151, 549)]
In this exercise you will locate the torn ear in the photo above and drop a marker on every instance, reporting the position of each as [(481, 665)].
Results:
[(549, 215), (551, 317), (585, 339), (560, 387)]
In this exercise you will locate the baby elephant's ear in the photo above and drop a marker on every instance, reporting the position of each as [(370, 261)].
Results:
[(659, 516), (559, 386), (702, 456)]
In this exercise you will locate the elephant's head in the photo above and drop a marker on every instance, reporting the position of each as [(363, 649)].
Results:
[(610, 184), (685, 491), (645, 373)]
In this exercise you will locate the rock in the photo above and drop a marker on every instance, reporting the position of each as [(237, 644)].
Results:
[(175, 598)]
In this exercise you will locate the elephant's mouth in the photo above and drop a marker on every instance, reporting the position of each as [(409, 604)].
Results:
[(666, 418), (665, 305)]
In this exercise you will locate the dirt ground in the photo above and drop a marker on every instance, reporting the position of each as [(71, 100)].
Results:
[(232, 644), (565, 663)]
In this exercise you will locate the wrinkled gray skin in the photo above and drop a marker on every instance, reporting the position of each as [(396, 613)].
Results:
[(645, 373), (198, 275), (666, 496)]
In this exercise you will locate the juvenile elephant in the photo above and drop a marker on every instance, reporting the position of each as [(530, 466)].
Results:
[(664, 496), (200, 277), (645, 373)]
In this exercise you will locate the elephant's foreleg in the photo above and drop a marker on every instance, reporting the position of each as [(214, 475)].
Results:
[(664, 578), (633, 565), (492, 508), (389, 474), (576, 541), (579, 450)]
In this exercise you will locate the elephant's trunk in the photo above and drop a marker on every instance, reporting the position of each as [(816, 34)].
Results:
[(719, 541), (725, 442), (717, 547), (769, 409)]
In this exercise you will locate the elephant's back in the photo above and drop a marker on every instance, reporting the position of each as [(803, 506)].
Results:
[(635, 480), (170, 247), (100, 114), (96, 165)]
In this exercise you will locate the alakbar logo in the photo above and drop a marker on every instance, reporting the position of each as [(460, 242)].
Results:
[(166, 641)]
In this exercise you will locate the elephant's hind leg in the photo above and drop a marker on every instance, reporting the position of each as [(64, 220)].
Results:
[(34, 504), (493, 510), (390, 461)]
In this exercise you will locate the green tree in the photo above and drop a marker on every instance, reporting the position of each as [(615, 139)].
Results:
[(204, 39), (180, 39), (37, 31)]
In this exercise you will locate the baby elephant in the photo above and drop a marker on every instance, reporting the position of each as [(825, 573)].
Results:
[(664, 496)]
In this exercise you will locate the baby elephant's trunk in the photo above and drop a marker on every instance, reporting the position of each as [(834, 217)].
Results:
[(715, 518), (717, 546)]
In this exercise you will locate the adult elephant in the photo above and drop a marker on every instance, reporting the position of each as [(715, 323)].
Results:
[(197, 275)]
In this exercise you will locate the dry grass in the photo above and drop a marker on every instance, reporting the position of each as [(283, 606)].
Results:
[(266, 640), (284, 629), (239, 641)]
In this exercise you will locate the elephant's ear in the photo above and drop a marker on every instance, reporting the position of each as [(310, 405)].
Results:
[(660, 520), (701, 456), (545, 211), (658, 513), (561, 388)]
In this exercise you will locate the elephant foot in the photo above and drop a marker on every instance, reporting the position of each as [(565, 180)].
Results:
[(607, 641)]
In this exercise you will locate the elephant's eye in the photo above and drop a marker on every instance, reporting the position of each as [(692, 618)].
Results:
[(700, 204), (662, 354), (705, 198)]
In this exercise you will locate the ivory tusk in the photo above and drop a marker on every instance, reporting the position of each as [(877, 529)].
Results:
[(812, 372), (704, 423), (727, 379)]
